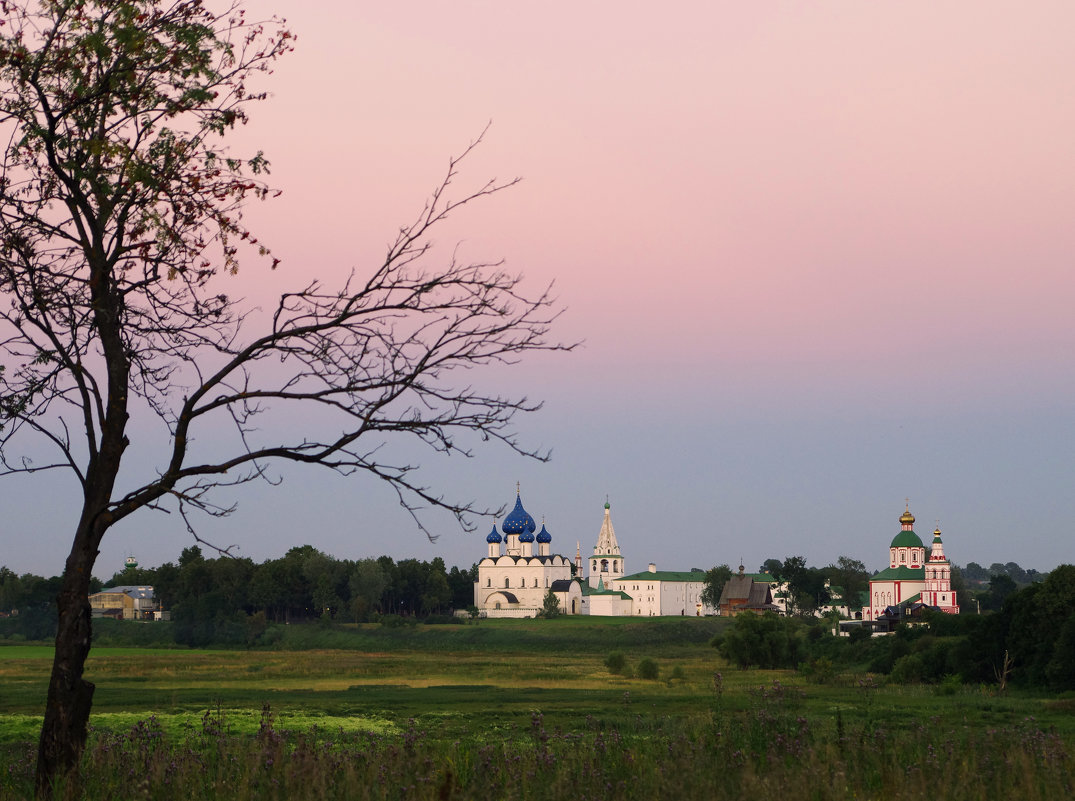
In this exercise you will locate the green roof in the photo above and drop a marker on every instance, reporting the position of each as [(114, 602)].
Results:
[(901, 574), (907, 539), (665, 575)]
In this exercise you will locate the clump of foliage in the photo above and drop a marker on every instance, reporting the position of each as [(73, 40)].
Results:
[(765, 641), (648, 669), (550, 606), (616, 662)]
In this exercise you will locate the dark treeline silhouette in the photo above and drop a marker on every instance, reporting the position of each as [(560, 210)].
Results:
[(227, 599)]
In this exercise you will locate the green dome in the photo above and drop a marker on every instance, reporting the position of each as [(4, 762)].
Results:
[(907, 539)]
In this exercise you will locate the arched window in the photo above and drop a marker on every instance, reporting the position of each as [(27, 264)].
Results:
[(507, 582), (903, 557), (616, 566), (489, 582), (594, 565), (535, 581), (604, 565)]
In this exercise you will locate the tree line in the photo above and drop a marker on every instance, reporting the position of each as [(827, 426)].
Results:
[(843, 583), (1029, 642), (209, 598), (808, 588)]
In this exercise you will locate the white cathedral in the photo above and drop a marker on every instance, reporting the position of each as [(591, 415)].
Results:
[(513, 580)]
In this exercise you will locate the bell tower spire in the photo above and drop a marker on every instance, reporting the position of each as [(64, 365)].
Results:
[(606, 562)]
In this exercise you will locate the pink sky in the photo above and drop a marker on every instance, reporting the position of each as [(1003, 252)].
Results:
[(819, 254), (883, 184)]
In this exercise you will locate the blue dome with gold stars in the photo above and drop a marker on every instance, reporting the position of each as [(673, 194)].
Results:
[(519, 521), (544, 536), (493, 535), (526, 536)]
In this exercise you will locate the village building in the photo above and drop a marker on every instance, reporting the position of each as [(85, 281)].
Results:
[(124, 603), (745, 592)]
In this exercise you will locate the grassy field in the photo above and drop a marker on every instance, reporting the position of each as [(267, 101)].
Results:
[(527, 709)]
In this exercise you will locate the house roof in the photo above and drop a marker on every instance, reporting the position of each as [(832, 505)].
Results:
[(744, 592), (131, 590)]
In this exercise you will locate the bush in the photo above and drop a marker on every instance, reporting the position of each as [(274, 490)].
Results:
[(766, 641), (648, 669), (908, 669), (861, 633), (616, 662), (819, 670)]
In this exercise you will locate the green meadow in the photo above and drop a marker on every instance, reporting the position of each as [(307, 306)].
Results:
[(527, 709)]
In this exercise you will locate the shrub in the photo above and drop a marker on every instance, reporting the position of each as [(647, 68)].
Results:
[(819, 670), (908, 669), (648, 669), (766, 641), (616, 662)]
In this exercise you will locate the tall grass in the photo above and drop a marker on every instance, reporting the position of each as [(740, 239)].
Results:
[(769, 749)]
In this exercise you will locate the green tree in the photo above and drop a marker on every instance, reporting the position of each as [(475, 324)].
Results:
[(849, 579), (715, 579), (766, 641), (550, 606), (1001, 585), (774, 567), (1040, 636), (648, 669), (120, 227), (436, 595), (367, 583), (461, 584)]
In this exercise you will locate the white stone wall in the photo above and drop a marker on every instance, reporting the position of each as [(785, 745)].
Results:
[(645, 592)]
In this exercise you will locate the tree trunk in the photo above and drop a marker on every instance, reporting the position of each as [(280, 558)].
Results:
[(67, 712)]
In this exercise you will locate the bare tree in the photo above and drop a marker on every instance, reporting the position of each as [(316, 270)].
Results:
[(120, 228)]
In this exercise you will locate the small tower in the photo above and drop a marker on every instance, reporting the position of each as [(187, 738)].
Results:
[(544, 540), (526, 540), (494, 539), (938, 591), (130, 563), (606, 562)]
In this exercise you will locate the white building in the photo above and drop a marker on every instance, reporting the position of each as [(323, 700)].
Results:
[(513, 580), (665, 592)]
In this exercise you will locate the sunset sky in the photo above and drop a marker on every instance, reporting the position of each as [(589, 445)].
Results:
[(819, 257)]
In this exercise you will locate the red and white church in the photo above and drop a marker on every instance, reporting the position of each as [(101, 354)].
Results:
[(910, 577)]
